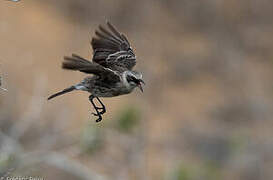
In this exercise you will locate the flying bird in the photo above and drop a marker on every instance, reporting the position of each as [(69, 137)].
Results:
[(111, 68)]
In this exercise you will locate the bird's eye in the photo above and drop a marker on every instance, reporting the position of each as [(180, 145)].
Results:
[(132, 79)]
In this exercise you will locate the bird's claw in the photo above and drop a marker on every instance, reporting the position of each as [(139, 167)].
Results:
[(102, 112), (95, 114), (98, 115), (99, 119)]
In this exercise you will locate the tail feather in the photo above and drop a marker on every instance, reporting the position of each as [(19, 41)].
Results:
[(62, 92), (75, 62)]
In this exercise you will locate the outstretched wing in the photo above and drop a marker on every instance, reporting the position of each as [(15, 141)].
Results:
[(78, 63), (112, 49)]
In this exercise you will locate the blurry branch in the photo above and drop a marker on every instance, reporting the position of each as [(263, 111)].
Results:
[(6, 173), (34, 110), (1, 85), (50, 158), (11, 146), (13, 0), (3, 89), (62, 162)]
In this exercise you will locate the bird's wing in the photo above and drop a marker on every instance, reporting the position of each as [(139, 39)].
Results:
[(111, 48), (78, 63)]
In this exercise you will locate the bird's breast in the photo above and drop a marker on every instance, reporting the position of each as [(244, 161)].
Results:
[(112, 91)]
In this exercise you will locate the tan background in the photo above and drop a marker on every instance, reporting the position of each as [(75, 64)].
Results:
[(206, 111)]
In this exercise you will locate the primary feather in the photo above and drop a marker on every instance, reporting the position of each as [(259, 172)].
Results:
[(112, 49)]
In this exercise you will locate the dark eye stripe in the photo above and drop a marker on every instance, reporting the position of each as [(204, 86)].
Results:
[(132, 78)]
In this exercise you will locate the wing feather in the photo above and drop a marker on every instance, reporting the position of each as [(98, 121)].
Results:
[(78, 63), (109, 34), (99, 34), (112, 49), (114, 30)]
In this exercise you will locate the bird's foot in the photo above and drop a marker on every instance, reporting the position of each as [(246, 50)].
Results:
[(99, 119), (95, 114), (98, 115), (101, 112)]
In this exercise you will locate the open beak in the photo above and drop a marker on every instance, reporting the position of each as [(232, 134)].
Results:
[(140, 86), (142, 81)]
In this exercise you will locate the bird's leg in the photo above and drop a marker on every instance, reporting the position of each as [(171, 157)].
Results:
[(102, 106), (91, 97)]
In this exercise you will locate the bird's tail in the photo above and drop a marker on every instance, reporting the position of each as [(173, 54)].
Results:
[(75, 62), (62, 92)]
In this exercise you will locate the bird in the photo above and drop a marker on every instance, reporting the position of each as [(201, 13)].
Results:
[(111, 68)]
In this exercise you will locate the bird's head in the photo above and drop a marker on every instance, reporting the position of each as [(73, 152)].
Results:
[(134, 79)]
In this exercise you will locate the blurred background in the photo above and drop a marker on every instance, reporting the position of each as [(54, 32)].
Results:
[(207, 107)]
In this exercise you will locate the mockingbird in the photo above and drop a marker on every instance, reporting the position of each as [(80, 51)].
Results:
[(111, 66)]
